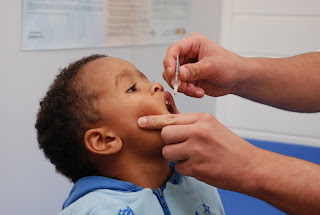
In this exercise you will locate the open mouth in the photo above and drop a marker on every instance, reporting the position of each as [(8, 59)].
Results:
[(168, 104), (171, 106)]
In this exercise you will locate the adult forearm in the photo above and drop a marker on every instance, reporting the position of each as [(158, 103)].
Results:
[(288, 83), (290, 184)]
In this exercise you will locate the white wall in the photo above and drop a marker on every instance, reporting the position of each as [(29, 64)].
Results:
[(271, 28), (28, 183)]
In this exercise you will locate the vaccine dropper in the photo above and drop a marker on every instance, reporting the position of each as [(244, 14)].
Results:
[(175, 81)]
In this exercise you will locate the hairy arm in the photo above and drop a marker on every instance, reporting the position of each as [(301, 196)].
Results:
[(288, 83), (288, 183)]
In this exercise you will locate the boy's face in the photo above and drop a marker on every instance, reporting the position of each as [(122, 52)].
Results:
[(125, 94)]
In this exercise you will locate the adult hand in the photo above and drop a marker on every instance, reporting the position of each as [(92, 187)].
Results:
[(204, 148), (206, 67), (207, 150)]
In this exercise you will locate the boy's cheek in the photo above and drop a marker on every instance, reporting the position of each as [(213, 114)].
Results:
[(132, 110), (145, 110), (151, 108)]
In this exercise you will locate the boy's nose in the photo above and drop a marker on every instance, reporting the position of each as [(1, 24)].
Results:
[(156, 87)]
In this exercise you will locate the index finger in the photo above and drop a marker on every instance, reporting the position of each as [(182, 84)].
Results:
[(181, 48), (160, 121), (186, 48)]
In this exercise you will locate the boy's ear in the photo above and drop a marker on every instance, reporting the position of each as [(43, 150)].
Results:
[(101, 141)]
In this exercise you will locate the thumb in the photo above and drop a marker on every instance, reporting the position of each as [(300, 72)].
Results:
[(194, 71)]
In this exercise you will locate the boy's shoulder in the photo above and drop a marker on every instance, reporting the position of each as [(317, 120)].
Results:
[(181, 195), (106, 201)]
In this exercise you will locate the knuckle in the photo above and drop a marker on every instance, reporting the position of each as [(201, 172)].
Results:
[(214, 65), (197, 169), (193, 130), (170, 119), (165, 62), (203, 135), (196, 70), (196, 150), (170, 47), (155, 122), (206, 117), (165, 152), (162, 121), (164, 132)]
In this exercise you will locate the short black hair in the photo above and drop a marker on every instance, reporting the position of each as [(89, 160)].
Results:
[(66, 113)]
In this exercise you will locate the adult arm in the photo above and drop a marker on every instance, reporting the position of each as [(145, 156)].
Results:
[(212, 153), (291, 83)]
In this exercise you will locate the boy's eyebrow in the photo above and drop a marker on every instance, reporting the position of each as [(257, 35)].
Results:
[(127, 73), (121, 75), (142, 75)]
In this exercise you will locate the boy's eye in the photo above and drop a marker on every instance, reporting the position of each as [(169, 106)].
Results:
[(132, 89)]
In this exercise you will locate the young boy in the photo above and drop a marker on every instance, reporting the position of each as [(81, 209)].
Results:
[(87, 127)]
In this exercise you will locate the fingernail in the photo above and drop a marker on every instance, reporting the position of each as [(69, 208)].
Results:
[(142, 121), (199, 93), (185, 73)]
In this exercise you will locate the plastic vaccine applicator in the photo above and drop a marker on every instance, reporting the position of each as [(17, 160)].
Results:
[(175, 81)]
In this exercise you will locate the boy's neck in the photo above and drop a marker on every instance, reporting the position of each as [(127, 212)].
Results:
[(151, 173)]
